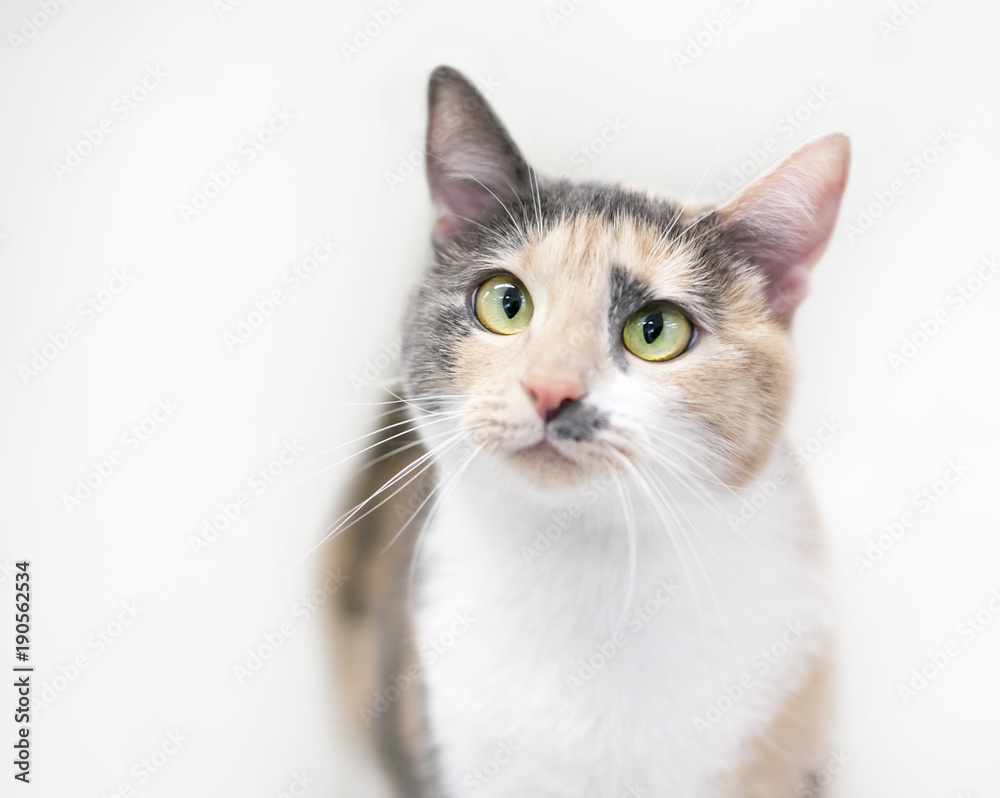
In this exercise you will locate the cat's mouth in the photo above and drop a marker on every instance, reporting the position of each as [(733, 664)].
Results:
[(544, 451)]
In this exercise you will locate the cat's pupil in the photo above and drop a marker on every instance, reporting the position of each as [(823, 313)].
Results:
[(511, 302), (652, 326)]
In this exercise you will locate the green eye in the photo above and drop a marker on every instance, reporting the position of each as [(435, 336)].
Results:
[(503, 305), (657, 332)]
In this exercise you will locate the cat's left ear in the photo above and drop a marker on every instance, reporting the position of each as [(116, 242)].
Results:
[(782, 222), (473, 166)]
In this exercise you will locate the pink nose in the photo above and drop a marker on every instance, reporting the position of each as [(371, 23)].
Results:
[(548, 393)]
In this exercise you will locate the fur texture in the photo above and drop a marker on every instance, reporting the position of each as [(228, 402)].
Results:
[(621, 616)]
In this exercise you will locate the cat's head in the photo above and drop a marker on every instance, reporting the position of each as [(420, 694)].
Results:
[(566, 329)]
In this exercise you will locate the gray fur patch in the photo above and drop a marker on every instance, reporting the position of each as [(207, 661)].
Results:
[(577, 421), (628, 294)]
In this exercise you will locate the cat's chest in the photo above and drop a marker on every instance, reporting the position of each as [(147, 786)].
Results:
[(553, 676)]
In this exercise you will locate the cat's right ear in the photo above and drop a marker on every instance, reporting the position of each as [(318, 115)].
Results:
[(784, 219), (473, 167)]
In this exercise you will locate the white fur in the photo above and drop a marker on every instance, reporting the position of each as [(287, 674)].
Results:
[(631, 727)]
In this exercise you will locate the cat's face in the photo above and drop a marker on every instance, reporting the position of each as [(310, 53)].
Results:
[(568, 330)]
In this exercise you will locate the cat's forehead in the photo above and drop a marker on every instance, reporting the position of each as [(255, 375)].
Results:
[(586, 256), (586, 247)]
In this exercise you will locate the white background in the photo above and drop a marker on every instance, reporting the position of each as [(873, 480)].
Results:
[(356, 119)]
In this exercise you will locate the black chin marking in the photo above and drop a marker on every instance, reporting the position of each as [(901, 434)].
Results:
[(577, 421)]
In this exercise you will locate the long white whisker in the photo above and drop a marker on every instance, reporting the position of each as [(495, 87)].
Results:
[(407, 431), (414, 515), (658, 507), (679, 473), (374, 432), (430, 516), (711, 162), (629, 512), (422, 463), (674, 507)]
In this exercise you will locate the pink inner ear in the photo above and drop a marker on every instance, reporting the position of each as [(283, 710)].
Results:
[(460, 196), (473, 166), (783, 220), (445, 228), (460, 203), (787, 293)]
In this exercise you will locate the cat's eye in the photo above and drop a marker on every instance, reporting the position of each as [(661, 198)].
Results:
[(503, 305), (658, 331)]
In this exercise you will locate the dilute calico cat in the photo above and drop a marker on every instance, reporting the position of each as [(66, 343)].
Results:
[(577, 563)]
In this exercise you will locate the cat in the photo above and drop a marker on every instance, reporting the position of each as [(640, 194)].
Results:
[(575, 565)]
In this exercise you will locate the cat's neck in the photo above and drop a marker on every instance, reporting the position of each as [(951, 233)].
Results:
[(611, 541), (585, 620)]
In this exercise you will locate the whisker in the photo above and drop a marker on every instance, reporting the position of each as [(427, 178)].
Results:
[(366, 435), (658, 508), (442, 418), (629, 511), (407, 400), (711, 162), (679, 474), (411, 581), (676, 507), (422, 463), (414, 515)]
